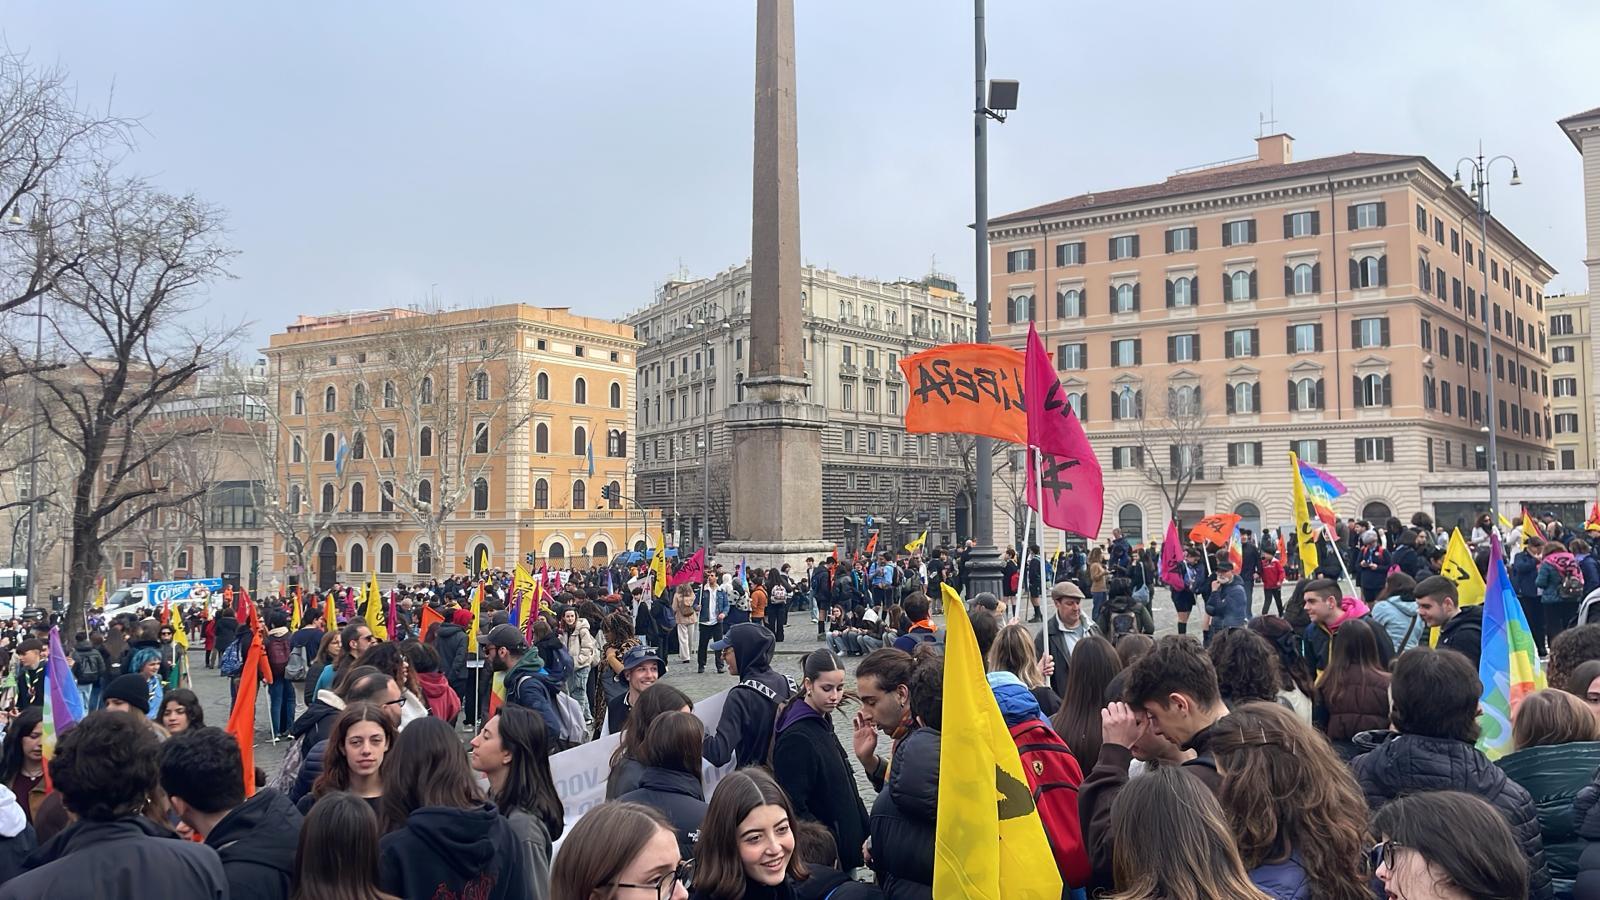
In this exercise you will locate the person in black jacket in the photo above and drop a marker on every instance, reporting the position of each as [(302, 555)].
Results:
[(905, 813), (450, 640), (809, 762), (526, 682), (1435, 712), (745, 730), (1460, 627), (671, 778), (224, 629), (257, 838)]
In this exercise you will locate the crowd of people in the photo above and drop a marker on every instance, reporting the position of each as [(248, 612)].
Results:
[(1325, 747)]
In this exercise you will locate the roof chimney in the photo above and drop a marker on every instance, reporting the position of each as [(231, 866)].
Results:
[(1275, 149)]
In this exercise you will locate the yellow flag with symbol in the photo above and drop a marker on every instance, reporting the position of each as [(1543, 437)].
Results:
[(658, 568), (916, 545), (988, 840), (1459, 567)]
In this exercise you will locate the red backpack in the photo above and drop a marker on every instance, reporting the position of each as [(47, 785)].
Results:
[(1054, 776)]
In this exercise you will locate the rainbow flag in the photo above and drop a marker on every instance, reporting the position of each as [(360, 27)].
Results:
[(63, 705), (1322, 488), (1509, 667)]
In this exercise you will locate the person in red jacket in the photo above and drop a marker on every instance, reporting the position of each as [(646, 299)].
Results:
[(1271, 582)]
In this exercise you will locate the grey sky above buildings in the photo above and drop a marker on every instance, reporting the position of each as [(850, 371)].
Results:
[(374, 154)]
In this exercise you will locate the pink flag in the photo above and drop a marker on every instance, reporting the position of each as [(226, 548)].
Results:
[(693, 571), (1074, 490), (1172, 558)]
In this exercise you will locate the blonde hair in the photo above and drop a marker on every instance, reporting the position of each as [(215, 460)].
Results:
[(1012, 651), (1552, 716)]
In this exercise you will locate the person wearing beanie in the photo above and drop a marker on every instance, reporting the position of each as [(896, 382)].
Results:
[(128, 693)]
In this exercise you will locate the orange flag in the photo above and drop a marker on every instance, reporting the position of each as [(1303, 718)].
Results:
[(966, 388), (1215, 528), (430, 617), (242, 721)]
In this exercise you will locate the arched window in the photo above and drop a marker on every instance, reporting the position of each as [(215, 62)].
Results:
[(1249, 517), (1124, 298), (425, 441), (1369, 272), (1183, 292), (558, 550), (358, 558), (738, 385), (1377, 513), (1130, 518), (1127, 403), (330, 399), (480, 438), (386, 446), (386, 497), (358, 497), (542, 387), (541, 494), (601, 551), (1239, 286), (541, 438), (424, 491), (1185, 400), (1069, 304), (294, 499), (1373, 391), (580, 440), (1305, 393), (1305, 281), (1424, 274), (296, 450), (1244, 397), (390, 401), (327, 447), (299, 403), (426, 391), (480, 386), (480, 495), (480, 552), (424, 559), (580, 391), (616, 400), (327, 498), (360, 396), (385, 559), (580, 493), (616, 495), (358, 447)]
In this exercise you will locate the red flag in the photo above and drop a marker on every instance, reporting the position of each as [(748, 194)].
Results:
[(242, 721), (429, 618), (1172, 570), (693, 571), (1074, 489), (872, 543)]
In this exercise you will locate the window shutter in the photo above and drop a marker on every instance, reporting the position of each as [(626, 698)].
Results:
[(1199, 399), (1116, 410), (1136, 246), (1388, 390), (1383, 331), (1116, 457), (1316, 221), (1388, 449), (1355, 274), (1138, 351), (1383, 213), (1255, 396), (1227, 345), (1355, 335), (1288, 281), (1322, 445), (1350, 217), (1112, 292), (1169, 287), (1136, 294), (1383, 270), (1288, 339), (1258, 453), (1138, 403), (1226, 287), (1288, 226), (1253, 292), (1255, 342), (1172, 457), (1316, 277), (1294, 402), (1361, 451), (1355, 388), (1172, 342), (1229, 394), (1194, 289), (1317, 329), (1322, 402), (1227, 239), (1169, 240), (1111, 248), (1233, 456), (1085, 402), (1252, 231)]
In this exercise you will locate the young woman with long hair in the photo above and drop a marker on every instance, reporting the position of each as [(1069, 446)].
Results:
[(1353, 692), (22, 759), (181, 711), (513, 753), (327, 652), (1012, 651), (810, 764), (1295, 811), (620, 847), (627, 761), (1174, 811), (619, 638), (1420, 854), (1093, 664), (357, 756), (746, 846), (444, 837), (1556, 743), (1296, 686), (338, 855), (1247, 666), (671, 782)]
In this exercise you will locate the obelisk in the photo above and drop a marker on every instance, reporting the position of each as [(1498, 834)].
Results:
[(777, 433)]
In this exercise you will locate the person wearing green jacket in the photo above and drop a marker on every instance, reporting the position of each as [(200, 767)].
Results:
[(1557, 750)]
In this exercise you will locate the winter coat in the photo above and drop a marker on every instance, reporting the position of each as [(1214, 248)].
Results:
[(1124, 603), (581, 646), (1372, 579), (1272, 573), (17, 837), (443, 851), (680, 797), (1319, 638), (1062, 641), (1361, 703), (903, 817), (227, 628), (1286, 880), (825, 883), (745, 729), (126, 858), (1229, 606), (1412, 763), (1464, 633), (1553, 568), (1397, 613), (810, 764), (534, 839), (528, 685), (257, 843), (1557, 776), (1524, 574)]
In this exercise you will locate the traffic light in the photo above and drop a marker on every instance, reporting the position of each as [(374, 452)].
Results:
[(605, 492)]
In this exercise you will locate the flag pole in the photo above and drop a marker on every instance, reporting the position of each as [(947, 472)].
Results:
[(1038, 493), (1333, 542), (1027, 526)]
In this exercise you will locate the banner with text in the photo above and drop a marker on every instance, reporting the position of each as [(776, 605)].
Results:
[(966, 388)]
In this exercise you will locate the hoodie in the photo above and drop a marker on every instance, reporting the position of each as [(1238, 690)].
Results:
[(745, 729), (440, 697), (443, 852), (1397, 613), (257, 841), (1319, 637), (528, 685)]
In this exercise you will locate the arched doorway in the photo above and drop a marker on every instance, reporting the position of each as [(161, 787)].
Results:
[(481, 552), (1249, 518), (1130, 518), (601, 551), (1376, 513), (327, 564)]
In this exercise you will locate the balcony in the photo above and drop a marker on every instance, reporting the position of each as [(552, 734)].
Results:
[(873, 373), (848, 369), (894, 375)]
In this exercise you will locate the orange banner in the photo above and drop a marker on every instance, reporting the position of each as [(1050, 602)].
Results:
[(966, 388), (1215, 528)]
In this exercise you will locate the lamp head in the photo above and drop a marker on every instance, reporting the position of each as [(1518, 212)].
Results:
[(1516, 178), (1456, 181)]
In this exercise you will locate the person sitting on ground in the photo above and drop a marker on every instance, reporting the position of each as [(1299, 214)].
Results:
[(1460, 627), (1435, 726)]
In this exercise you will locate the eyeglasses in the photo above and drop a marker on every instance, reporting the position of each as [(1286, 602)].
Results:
[(666, 884), (1382, 854), (400, 702)]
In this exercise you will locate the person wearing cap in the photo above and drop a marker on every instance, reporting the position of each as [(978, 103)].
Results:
[(526, 682), (1063, 631), (744, 732), (641, 666), (131, 693)]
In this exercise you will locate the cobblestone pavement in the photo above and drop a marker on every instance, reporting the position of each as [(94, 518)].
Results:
[(800, 638)]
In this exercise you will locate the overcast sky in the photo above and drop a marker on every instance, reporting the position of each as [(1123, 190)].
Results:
[(575, 154)]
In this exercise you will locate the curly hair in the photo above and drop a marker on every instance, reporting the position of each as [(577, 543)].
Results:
[(1247, 666), (1572, 647), (1285, 791), (1293, 670)]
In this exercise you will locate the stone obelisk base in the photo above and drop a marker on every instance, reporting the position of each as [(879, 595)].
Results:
[(777, 479)]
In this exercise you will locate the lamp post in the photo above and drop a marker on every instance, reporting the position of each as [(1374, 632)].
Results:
[(989, 101), (703, 314), (33, 401), (1479, 168)]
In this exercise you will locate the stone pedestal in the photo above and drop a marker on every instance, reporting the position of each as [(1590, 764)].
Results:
[(777, 476)]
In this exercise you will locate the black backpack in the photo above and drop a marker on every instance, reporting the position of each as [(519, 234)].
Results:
[(88, 666), (1123, 623)]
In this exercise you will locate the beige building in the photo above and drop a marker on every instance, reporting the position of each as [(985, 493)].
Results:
[(1571, 379), (409, 440), (1208, 324), (856, 332), (1583, 130)]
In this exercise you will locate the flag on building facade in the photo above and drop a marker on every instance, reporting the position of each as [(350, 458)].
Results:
[(1509, 664)]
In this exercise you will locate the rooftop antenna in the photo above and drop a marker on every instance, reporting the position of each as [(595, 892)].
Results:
[(1270, 119)]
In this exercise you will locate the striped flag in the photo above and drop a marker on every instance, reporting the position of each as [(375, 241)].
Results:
[(1322, 488), (1509, 666)]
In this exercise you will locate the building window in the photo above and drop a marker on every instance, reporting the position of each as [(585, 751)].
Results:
[(1308, 450), (580, 391), (1306, 338), (1127, 404), (424, 559), (299, 403), (358, 497), (1561, 324), (1069, 254), (542, 386), (1247, 453), (1562, 354), (424, 491), (1069, 305), (425, 442), (1125, 298), (1127, 457), (1019, 260), (480, 386), (327, 447), (426, 393), (1130, 519), (580, 440), (358, 560), (386, 496), (327, 498), (390, 401), (386, 444), (1072, 356), (1184, 401), (1183, 348), (1242, 398), (1372, 390), (480, 438), (1125, 352), (1369, 272), (1301, 224), (480, 495), (1303, 280), (1242, 231), (1181, 240), (1566, 387), (1241, 285), (1124, 247), (1422, 219), (1366, 215), (1569, 459), (1371, 333), (1180, 292), (1305, 394), (849, 440), (847, 396), (296, 450), (1374, 449), (1018, 309), (330, 399), (1075, 400), (1424, 275), (541, 494)]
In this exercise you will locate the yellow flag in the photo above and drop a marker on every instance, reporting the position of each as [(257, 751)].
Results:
[(294, 611), (917, 544), (522, 587), (1459, 567), (477, 615), (994, 848), (483, 560), (100, 598), (1305, 531), (376, 620), (658, 568)]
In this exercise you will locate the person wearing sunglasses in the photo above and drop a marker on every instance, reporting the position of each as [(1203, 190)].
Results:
[(1419, 858), (623, 850)]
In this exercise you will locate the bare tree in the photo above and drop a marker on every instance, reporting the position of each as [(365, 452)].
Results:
[(116, 326), (432, 400), (1010, 480), (1171, 429), (185, 467)]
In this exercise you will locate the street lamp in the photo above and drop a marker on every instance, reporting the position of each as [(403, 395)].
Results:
[(1479, 170), (702, 316)]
